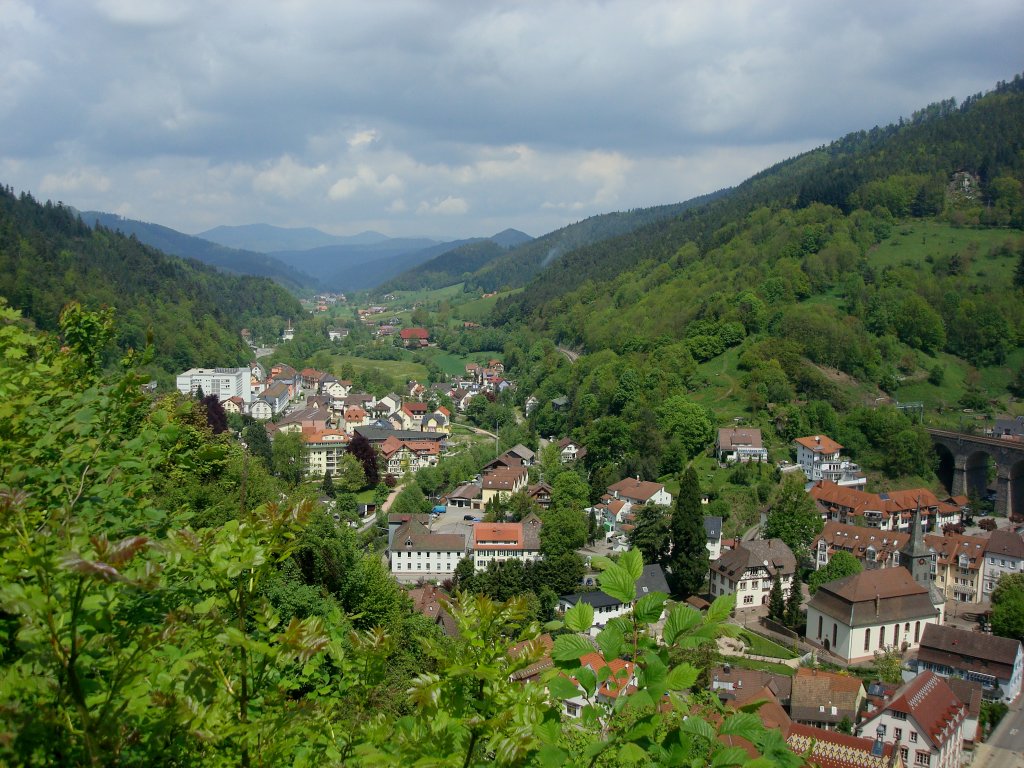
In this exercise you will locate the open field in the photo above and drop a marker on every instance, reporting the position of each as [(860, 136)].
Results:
[(761, 646)]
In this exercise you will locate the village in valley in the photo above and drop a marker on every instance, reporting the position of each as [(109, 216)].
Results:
[(869, 642)]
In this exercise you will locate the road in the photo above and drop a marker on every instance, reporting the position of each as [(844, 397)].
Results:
[(1005, 747)]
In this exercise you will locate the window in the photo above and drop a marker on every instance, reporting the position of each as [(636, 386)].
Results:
[(922, 758), (897, 733), (819, 627), (867, 638), (905, 754), (881, 637), (913, 737), (898, 715), (748, 599)]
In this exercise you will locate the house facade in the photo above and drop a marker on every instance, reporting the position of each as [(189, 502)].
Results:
[(874, 548), (640, 492), (417, 552), (505, 541), (222, 382), (1004, 554), (870, 611), (890, 511), (748, 571), (740, 444), (819, 457), (996, 663), (502, 483), (926, 720), (824, 699), (959, 565), (324, 451)]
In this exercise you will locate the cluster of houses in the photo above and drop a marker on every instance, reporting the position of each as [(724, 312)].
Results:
[(328, 413)]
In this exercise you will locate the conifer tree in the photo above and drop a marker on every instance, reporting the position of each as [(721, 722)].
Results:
[(776, 602), (793, 603), (328, 485), (689, 558)]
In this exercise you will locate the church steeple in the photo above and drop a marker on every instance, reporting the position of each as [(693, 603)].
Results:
[(917, 556)]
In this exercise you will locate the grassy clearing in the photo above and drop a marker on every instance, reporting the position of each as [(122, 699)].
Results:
[(764, 666), (762, 646), (477, 310), (400, 370)]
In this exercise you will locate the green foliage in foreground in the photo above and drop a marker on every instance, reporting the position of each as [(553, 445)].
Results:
[(129, 638)]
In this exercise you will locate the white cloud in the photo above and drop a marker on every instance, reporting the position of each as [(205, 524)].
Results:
[(287, 178), (77, 180), (449, 206), (346, 115)]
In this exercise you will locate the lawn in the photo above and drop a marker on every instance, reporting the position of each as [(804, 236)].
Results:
[(400, 371), (762, 646), (764, 666)]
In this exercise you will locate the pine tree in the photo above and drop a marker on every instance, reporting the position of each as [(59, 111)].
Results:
[(689, 557), (793, 603), (776, 603), (328, 485)]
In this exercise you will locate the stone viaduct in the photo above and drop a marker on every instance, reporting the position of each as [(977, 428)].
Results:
[(964, 462)]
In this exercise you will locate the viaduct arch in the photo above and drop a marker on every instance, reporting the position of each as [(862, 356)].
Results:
[(964, 460)]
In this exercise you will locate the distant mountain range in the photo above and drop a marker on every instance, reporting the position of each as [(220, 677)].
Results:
[(266, 238), (243, 262)]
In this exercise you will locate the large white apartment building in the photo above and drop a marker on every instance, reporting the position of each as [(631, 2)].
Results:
[(819, 458), (222, 382)]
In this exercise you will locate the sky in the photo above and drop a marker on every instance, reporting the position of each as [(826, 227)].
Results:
[(456, 118)]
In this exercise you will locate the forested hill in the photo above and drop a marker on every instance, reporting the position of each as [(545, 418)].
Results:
[(515, 268), (48, 257), (454, 264), (905, 168), (176, 243)]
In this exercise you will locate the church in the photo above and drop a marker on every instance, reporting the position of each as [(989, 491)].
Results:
[(856, 616)]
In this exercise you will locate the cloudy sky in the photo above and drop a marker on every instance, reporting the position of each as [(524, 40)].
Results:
[(452, 118)]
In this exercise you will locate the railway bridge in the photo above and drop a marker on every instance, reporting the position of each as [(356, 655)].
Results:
[(964, 462)]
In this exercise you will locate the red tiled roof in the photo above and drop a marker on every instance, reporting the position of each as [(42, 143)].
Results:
[(488, 536), (414, 333), (819, 444), (932, 703), (631, 488)]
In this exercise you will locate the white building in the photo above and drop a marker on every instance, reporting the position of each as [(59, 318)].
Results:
[(871, 611), (222, 382), (819, 458), (925, 719), (1004, 554), (416, 552), (739, 444), (640, 492), (748, 571), (506, 541), (324, 451)]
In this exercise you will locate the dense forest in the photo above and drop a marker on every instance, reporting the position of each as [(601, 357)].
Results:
[(192, 311), (904, 168)]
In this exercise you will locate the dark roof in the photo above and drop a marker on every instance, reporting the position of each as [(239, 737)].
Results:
[(712, 526), (813, 688), (651, 580), (378, 435), (969, 692), (755, 554), (930, 701), (969, 651), (1005, 542), (874, 597), (413, 536)]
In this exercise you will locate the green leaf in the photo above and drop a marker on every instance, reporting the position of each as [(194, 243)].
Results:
[(587, 679), (610, 640), (682, 618), (553, 626), (649, 607), (721, 608), (681, 678), (631, 753), (743, 724), (616, 582), (730, 756), (570, 647), (698, 726), (580, 617), (562, 687), (550, 756), (633, 563)]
